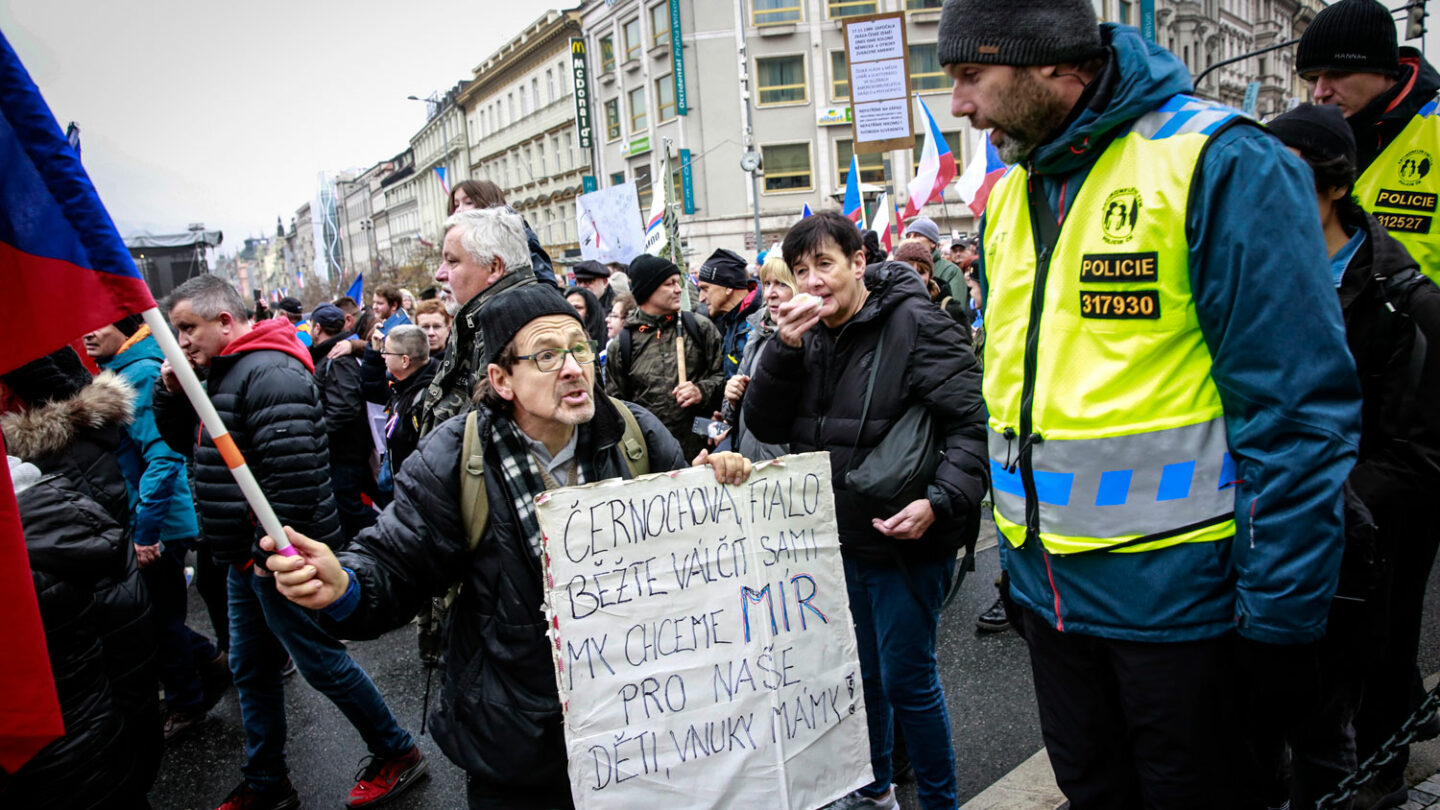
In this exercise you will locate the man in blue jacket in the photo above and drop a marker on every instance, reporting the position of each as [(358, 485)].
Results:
[(163, 523), (1168, 431)]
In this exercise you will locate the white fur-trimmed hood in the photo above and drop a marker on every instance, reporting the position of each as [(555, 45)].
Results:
[(53, 427)]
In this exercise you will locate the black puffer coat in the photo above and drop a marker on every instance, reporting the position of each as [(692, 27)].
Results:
[(498, 716), (812, 397), (77, 437), (108, 756), (346, 418), (264, 390)]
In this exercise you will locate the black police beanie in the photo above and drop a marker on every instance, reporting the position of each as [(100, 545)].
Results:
[(1351, 35), (647, 273), (1320, 132), (503, 316), (1018, 32)]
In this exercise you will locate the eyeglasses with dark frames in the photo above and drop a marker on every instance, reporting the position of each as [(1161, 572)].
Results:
[(549, 360)]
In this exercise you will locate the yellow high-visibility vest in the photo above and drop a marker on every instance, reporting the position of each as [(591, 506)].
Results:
[(1402, 186), (1106, 430)]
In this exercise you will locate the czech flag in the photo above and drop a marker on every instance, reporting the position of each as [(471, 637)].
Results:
[(936, 169), (854, 208), (882, 221), (57, 246), (440, 175), (984, 171)]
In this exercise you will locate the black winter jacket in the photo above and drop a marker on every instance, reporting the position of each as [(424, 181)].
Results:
[(347, 427), (109, 754), (498, 716), (1392, 324), (265, 393), (1378, 123), (813, 397), (78, 438), (401, 399)]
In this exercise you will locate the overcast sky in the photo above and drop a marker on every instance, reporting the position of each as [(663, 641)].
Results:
[(223, 112)]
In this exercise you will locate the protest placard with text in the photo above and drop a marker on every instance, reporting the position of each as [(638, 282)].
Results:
[(703, 642)]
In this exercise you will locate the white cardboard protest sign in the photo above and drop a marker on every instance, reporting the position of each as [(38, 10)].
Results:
[(703, 642), (608, 223)]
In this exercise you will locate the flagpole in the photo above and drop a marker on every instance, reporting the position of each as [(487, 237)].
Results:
[(218, 432)]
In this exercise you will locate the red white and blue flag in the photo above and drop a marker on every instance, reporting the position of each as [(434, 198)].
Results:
[(440, 174), (65, 272), (983, 172), (936, 168), (854, 208)]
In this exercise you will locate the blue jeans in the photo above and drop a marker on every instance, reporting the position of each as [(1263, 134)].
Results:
[(264, 627), (896, 614), (349, 479)]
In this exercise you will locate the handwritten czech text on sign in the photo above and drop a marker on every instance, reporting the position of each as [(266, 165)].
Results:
[(703, 641)]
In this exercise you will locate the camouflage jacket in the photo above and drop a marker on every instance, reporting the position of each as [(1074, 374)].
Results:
[(651, 373), (451, 391)]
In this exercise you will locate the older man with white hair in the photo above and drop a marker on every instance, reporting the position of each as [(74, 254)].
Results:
[(484, 255)]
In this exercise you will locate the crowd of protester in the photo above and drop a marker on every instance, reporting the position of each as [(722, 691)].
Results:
[(1242, 636)]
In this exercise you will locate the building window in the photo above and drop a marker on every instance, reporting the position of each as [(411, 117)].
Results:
[(872, 166), (781, 80), (612, 119), (665, 98), (540, 157), (839, 77), (617, 178), (677, 187), (550, 84), (952, 138), (921, 5), (774, 12), (607, 54), (644, 189), (1124, 13), (632, 39), (535, 93), (925, 70), (660, 24), (638, 120), (849, 8), (787, 167)]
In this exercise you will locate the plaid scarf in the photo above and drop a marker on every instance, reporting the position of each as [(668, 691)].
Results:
[(520, 475)]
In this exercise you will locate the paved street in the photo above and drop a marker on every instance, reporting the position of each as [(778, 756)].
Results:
[(986, 678)]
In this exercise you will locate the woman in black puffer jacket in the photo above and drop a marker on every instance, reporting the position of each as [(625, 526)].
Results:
[(73, 426), (74, 546)]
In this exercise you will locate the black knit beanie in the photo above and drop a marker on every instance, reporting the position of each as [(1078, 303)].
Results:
[(1319, 131), (647, 273), (502, 318), (57, 376), (1352, 35), (725, 268), (1018, 32)]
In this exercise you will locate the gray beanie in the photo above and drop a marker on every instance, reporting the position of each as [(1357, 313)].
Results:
[(1018, 32)]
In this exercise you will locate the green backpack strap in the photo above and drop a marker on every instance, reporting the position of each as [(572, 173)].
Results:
[(474, 501), (632, 444)]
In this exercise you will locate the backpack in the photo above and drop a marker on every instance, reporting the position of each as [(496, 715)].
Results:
[(475, 513), (627, 336)]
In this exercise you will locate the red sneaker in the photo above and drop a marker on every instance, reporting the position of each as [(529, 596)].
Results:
[(381, 780)]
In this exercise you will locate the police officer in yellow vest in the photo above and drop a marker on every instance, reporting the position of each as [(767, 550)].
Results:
[(1350, 58), (1172, 407)]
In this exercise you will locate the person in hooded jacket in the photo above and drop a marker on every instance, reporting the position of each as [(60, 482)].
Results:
[(347, 426), (163, 526), (1168, 442), (1392, 317), (592, 314), (75, 546), (262, 383), (810, 389), (777, 284), (74, 426)]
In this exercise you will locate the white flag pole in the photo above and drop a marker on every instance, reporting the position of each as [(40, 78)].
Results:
[(218, 432)]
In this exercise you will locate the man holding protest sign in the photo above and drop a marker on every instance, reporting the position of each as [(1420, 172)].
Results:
[(539, 425)]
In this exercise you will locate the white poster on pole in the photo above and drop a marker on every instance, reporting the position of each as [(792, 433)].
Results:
[(608, 223), (703, 643)]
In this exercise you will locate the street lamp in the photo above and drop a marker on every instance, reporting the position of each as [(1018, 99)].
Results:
[(368, 225)]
